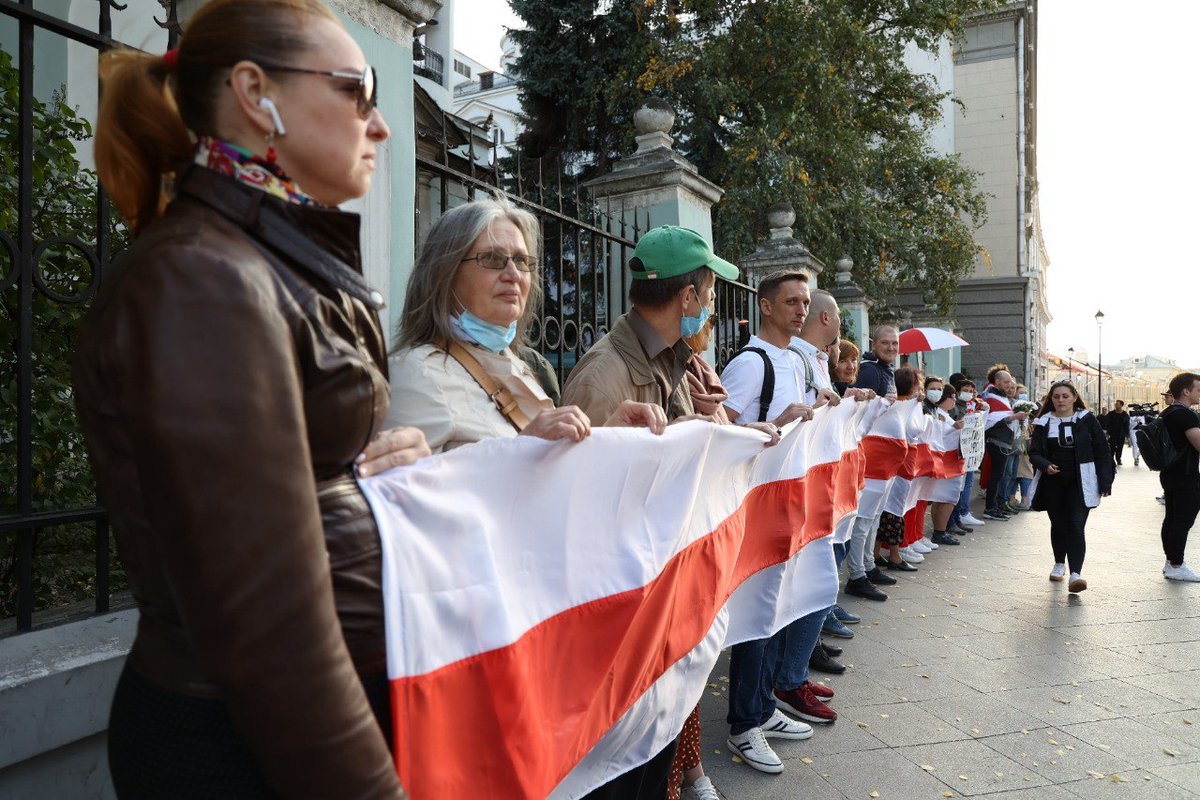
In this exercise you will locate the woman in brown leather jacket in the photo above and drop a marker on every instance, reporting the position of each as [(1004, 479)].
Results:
[(229, 380)]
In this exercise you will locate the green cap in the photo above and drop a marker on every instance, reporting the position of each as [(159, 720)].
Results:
[(669, 251)]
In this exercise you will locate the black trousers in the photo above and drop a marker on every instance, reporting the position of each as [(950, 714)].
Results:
[(1183, 503), (167, 744), (1063, 500), (999, 461), (1117, 445), (647, 782)]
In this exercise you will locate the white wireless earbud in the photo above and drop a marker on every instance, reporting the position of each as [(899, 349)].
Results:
[(268, 105)]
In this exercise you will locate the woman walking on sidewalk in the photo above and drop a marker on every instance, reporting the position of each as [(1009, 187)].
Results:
[(1075, 469)]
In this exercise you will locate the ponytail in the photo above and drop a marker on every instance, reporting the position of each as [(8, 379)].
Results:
[(150, 103), (140, 136)]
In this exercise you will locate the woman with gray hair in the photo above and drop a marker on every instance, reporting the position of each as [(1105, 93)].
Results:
[(457, 374)]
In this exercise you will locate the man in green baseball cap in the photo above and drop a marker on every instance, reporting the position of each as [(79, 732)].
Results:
[(635, 376), (643, 357)]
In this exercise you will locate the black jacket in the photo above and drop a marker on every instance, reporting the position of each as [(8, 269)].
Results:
[(875, 375), (1117, 425), (1096, 466)]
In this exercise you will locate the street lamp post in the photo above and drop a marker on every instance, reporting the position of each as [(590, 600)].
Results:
[(1070, 363), (1100, 359)]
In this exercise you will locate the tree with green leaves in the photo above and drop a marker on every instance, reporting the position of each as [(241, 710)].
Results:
[(807, 102)]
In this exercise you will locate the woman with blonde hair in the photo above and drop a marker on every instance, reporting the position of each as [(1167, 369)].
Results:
[(230, 381)]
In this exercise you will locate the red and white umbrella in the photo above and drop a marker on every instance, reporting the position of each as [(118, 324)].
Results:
[(921, 340)]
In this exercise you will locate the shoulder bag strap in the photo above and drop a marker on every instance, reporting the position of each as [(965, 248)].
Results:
[(506, 404), (768, 388)]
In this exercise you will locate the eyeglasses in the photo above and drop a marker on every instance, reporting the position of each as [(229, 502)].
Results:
[(495, 260), (366, 95)]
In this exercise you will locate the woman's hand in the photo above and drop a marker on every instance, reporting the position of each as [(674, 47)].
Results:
[(555, 424), (1053, 469), (631, 414), (397, 447), (793, 412), (958, 426), (768, 429)]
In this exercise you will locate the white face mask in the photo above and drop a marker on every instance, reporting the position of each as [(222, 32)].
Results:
[(934, 396), (965, 396)]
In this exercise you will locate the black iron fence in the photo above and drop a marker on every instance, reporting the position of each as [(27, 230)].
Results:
[(57, 239)]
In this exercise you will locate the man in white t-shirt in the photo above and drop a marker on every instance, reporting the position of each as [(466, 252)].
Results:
[(777, 396)]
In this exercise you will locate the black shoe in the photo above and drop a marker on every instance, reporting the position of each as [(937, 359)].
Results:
[(861, 587), (960, 528), (881, 562), (831, 649), (901, 566), (944, 538), (877, 577), (821, 661)]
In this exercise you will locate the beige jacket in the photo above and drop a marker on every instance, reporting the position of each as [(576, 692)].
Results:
[(617, 369), (433, 392)]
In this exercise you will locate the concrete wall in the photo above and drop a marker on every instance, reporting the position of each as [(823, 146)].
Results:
[(990, 317), (986, 135), (56, 686)]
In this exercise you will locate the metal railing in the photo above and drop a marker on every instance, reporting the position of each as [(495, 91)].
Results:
[(58, 236), (431, 66)]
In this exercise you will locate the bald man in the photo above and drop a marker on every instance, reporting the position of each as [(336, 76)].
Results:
[(877, 370)]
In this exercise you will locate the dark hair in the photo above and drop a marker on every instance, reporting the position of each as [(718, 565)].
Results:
[(994, 370), (660, 292), (1181, 383), (933, 379), (906, 381), (768, 287), (1048, 406), (147, 108), (956, 378), (961, 382)]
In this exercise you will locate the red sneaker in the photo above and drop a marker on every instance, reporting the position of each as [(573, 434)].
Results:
[(803, 703), (823, 692)]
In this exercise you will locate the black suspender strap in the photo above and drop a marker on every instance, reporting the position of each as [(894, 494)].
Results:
[(768, 387)]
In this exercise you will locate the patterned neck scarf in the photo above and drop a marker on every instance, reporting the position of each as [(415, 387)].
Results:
[(245, 167)]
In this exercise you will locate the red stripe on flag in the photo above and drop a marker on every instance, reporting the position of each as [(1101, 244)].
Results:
[(883, 456), (544, 701)]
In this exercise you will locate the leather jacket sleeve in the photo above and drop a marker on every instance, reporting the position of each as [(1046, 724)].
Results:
[(203, 362)]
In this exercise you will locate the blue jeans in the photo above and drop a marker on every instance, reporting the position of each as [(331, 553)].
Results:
[(751, 668), (964, 500), (1008, 484), (757, 668), (800, 639), (1026, 484)]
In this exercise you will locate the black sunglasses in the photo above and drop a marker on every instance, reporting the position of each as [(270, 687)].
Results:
[(367, 95)]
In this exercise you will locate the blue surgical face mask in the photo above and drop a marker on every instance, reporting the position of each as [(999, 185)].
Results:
[(487, 335), (690, 326)]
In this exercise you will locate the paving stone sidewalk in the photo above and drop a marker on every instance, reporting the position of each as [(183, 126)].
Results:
[(981, 678)]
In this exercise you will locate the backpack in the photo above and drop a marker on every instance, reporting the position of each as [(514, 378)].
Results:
[(768, 388), (1154, 441)]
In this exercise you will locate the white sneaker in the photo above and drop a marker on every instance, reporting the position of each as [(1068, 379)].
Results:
[(911, 556), (930, 543), (1078, 584), (781, 726), (1058, 572), (702, 789), (753, 748), (972, 520), (1181, 573), (919, 546)]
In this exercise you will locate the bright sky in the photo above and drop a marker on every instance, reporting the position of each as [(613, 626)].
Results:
[(478, 26), (1118, 161), (1119, 171)]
